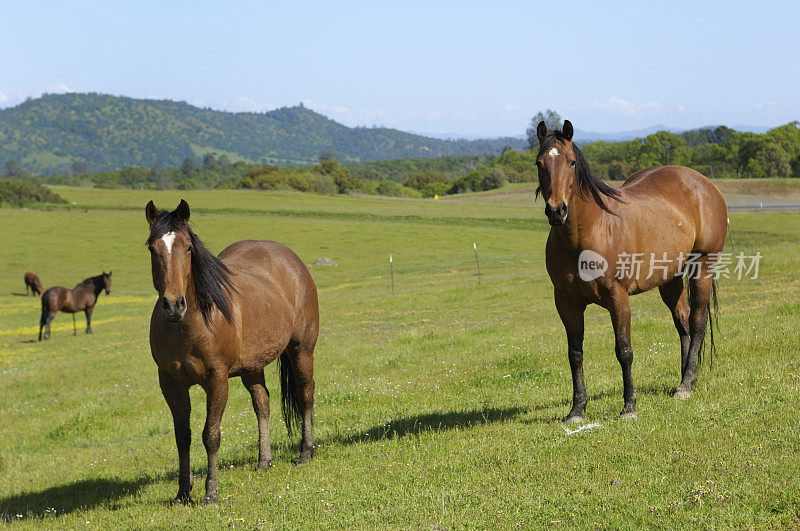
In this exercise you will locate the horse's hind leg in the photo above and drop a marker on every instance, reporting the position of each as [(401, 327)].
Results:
[(572, 316), (620, 310), (177, 397), (301, 357), (254, 382), (700, 290), (50, 317), (674, 296)]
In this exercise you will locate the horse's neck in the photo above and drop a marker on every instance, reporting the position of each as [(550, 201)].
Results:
[(93, 285), (583, 216)]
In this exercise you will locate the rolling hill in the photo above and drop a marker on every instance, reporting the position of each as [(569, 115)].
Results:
[(109, 132)]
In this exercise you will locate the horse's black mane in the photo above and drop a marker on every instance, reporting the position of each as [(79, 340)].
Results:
[(91, 280), (588, 184), (212, 284)]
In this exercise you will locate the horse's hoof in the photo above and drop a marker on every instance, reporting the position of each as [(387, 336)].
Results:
[(625, 415), (574, 419), (682, 394)]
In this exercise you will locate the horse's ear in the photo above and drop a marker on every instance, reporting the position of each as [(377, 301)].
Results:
[(151, 212), (567, 130), (109, 272), (541, 131), (183, 211)]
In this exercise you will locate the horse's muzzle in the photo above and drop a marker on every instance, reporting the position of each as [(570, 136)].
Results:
[(556, 216), (173, 310)]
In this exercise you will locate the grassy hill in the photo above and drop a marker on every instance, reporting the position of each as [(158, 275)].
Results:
[(110, 132)]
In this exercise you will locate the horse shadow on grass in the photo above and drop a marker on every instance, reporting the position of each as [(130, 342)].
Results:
[(543, 413), (64, 499), (440, 421)]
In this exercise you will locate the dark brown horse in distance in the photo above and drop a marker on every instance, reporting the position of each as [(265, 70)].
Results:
[(82, 297), (221, 317), (33, 284), (606, 244)]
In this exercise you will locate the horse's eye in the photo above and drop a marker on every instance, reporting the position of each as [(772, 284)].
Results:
[(150, 248), (572, 164), (189, 249)]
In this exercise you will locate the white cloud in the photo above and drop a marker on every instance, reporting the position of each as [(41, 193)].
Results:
[(3, 97), (631, 108), (246, 104), (59, 88)]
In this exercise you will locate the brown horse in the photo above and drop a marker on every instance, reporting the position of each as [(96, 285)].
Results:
[(221, 317), (33, 284), (82, 297), (606, 244)]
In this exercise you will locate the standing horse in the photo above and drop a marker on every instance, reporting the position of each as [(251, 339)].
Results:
[(221, 317), (33, 284), (605, 244), (82, 297)]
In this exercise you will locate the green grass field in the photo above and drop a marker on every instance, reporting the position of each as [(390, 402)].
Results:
[(438, 406)]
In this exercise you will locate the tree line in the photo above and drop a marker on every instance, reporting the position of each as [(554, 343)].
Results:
[(718, 152)]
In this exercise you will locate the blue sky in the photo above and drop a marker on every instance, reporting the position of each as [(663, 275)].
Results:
[(472, 68)]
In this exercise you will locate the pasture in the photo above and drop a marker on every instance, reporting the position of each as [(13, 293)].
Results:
[(439, 405)]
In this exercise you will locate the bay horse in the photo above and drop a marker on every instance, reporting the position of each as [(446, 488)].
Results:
[(33, 284), (227, 316), (670, 217), (82, 297)]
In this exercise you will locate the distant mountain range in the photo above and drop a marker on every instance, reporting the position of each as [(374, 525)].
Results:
[(584, 137), (104, 132), (109, 132)]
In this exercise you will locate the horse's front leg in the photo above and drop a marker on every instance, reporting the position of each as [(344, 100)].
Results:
[(620, 310), (88, 311), (571, 314), (177, 397), (216, 387)]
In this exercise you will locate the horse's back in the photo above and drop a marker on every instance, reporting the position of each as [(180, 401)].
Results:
[(688, 191)]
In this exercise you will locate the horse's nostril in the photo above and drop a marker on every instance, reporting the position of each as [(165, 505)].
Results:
[(181, 303), (165, 303)]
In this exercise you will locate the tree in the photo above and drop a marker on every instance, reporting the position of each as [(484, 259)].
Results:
[(774, 160), (664, 148), (712, 156), (327, 155), (161, 178), (210, 162), (496, 178), (80, 168), (550, 118), (188, 167), (418, 181), (14, 169)]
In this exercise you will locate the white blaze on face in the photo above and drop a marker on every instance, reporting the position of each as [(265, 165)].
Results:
[(553, 153), (168, 239)]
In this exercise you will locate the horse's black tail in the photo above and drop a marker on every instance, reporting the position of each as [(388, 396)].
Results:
[(713, 315), (45, 313), (290, 397)]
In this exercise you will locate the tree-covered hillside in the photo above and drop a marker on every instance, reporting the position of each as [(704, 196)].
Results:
[(96, 132)]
